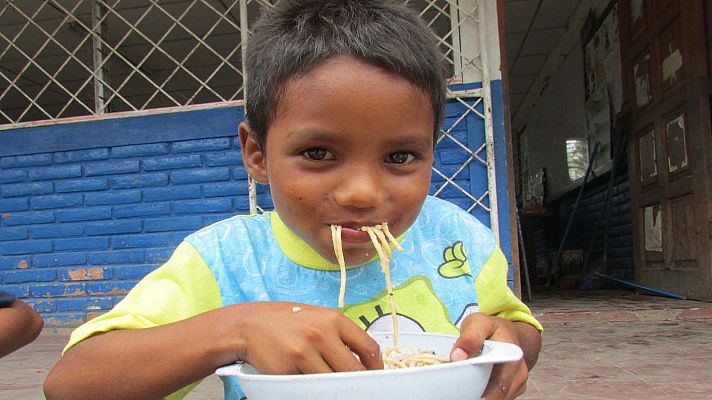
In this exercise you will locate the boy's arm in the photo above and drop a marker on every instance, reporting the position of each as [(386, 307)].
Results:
[(19, 325), (494, 296), (155, 362), (136, 336), (509, 380), (136, 352), (148, 363), (145, 363), (529, 339), (502, 317)]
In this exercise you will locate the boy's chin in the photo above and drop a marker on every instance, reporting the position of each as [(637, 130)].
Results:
[(352, 258), (358, 258)]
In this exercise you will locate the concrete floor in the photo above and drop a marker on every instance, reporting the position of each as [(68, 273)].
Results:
[(624, 360), (597, 345)]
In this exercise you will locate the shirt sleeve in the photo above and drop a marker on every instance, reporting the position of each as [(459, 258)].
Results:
[(495, 298), (181, 288)]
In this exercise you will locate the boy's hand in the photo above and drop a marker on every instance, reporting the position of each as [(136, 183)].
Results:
[(292, 338), (508, 380)]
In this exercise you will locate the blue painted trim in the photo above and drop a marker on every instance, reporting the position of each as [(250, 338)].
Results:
[(466, 86), (478, 171), (500, 149), (156, 128)]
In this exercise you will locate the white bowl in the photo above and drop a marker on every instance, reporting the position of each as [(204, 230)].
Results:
[(461, 380)]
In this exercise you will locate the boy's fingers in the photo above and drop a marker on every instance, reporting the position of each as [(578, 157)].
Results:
[(340, 358), (473, 332), (314, 364), (507, 380), (359, 342)]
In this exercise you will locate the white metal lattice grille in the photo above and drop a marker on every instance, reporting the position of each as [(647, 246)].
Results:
[(471, 155), (66, 58)]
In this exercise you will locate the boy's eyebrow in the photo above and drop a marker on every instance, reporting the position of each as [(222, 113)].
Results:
[(404, 139), (412, 140), (311, 133)]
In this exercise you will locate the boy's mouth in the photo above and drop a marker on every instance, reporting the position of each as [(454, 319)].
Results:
[(352, 233)]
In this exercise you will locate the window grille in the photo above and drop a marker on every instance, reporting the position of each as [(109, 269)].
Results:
[(69, 58), (576, 158)]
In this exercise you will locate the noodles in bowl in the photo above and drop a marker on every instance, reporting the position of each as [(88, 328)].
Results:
[(408, 357)]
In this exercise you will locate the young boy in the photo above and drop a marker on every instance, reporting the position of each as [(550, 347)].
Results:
[(344, 101)]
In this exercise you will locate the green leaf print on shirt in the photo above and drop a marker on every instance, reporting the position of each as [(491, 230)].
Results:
[(455, 264)]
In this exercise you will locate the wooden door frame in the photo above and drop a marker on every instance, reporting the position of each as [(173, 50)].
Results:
[(693, 97)]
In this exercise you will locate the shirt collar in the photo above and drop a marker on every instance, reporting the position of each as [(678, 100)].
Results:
[(299, 251)]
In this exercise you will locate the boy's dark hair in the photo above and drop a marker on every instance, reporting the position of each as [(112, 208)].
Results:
[(298, 35)]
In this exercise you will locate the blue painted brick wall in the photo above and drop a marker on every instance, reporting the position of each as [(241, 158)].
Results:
[(79, 227)]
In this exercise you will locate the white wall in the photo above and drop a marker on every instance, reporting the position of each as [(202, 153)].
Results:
[(559, 114)]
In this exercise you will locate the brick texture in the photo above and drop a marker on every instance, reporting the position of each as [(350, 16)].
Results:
[(79, 228)]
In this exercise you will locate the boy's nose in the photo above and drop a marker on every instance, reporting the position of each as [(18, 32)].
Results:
[(359, 188)]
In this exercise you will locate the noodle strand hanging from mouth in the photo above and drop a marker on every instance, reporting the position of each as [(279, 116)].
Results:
[(384, 243), (339, 253), (385, 267), (392, 238), (382, 238)]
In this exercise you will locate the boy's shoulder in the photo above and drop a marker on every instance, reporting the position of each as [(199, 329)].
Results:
[(244, 225), (443, 210), (440, 217)]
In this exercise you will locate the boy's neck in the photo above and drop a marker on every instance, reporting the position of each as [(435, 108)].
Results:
[(297, 249)]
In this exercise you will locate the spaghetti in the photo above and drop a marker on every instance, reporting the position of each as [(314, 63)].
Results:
[(383, 249), (339, 252), (407, 357), (381, 238)]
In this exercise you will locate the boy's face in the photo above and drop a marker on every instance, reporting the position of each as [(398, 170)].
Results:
[(350, 145)]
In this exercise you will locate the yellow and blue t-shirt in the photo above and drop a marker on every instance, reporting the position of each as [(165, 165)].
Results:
[(450, 267)]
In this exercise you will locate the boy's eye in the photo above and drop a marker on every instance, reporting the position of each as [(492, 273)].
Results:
[(318, 154), (401, 157)]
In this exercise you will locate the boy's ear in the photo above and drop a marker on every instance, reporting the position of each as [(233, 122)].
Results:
[(252, 156)]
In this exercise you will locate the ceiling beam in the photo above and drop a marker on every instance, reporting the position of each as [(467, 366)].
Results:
[(557, 57)]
